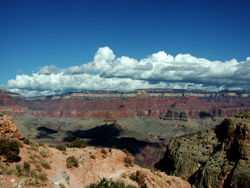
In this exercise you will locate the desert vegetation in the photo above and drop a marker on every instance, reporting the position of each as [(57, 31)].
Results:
[(129, 159), (77, 143), (10, 149), (61, 147), (71, 162), (104, 183), (31, 177), (139, 177)]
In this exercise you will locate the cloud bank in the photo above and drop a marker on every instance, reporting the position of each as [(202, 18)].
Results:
[(159, 70)]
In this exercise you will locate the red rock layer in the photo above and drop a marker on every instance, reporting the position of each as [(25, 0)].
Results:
[(192, 107)]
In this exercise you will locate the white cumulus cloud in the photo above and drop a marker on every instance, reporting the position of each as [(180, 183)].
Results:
[(159, 70)]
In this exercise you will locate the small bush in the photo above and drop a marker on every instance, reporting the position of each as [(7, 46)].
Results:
[(20, 144), (61, 185), (26, 168), (9, 149), (45, 164), (104, 183), (139, 178), (19, 170), (78, 143), (7, 170), (129, 161), (43, 153), (41, 144), (61, 147), (71, 161), (92, 156), (32, 158), (38, 167), (42, 177), (34, 145), (103, 151), (33, 174), (34, 182), (26, 141)]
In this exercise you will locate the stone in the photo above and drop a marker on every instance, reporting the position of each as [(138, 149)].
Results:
[(212, 158)]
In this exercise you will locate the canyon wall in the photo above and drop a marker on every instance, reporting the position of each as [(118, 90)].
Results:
[(177, 106)]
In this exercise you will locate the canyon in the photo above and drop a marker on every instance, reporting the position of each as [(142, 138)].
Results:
[(140, 121)]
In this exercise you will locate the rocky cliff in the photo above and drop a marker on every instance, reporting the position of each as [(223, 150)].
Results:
[(100, 105), (212, 158), (8, 128)]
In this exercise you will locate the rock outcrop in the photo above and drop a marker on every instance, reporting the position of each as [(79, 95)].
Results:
[(212, 158), (8, 128), (175, 115)]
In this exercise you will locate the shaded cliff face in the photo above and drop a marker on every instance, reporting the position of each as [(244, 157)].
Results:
[(212, 158)]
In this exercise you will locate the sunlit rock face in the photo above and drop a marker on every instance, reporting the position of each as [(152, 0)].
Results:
[(8, 128), (164, 104)]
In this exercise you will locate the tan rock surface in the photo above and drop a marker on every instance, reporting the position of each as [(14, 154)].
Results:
[(94, 164), (8, 128)]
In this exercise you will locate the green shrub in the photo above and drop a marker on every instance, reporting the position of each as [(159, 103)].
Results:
[(10, 149), (26, 168), (19, 170), (139, 178), (34, 182), (78, 143), (61, 147), (34, 145), (7, 170), (43, 153), (104, 183), (38, 167), (71, 161), (129, 161), (45, 164), (33, 174), (26, 141), (42, 177), (92, 156), (103, 151)]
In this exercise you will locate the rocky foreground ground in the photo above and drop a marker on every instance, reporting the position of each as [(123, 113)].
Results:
[(44, 166)]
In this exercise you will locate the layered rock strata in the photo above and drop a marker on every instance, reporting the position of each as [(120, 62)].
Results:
[(120, 106)]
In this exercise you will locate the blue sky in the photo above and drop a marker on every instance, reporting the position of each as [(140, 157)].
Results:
[(39, 33)]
